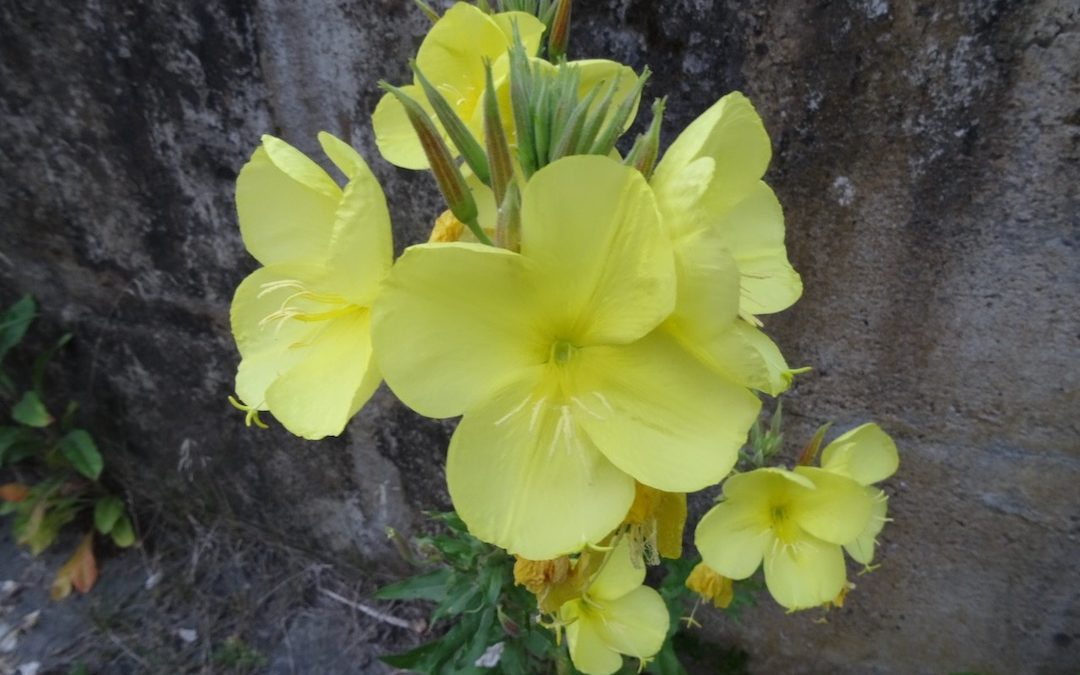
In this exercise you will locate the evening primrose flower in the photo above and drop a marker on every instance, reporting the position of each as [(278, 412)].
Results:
[(796, 521), (728, 232), (452, 57), (614, 615), (568, 393), (867, 455), (302, 321)]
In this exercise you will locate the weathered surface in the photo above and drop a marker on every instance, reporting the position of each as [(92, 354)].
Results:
[(928, 156)]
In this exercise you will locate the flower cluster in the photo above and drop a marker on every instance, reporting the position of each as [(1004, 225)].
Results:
[(593, 320)]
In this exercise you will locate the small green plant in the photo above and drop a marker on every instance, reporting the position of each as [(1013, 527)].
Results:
[(490, 624), (57, 465), (237, 655)]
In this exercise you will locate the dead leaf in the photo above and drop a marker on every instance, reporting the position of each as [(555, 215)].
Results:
[(79, 572), (14, 492)]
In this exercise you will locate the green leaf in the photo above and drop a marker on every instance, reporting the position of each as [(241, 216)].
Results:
[(14, 322), (43, 360), (10, 437), (80, 450), (31, 411), (431, 586), (106, 512), (123, 534)]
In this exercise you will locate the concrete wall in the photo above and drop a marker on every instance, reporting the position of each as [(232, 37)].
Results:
[(927, 155)]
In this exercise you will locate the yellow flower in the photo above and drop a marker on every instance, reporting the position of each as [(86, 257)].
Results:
[(615, 615), (867, 455), (568, 393), (728, 231), (713, 587), (452, 57), (796, 521), (302, 321)]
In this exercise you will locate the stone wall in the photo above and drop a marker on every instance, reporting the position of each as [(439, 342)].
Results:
[(927, 155)]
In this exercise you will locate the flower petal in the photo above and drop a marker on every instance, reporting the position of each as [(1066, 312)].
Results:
[(394, 134), (744, 354), (523, 477), (530, 28), (591, 225), (453, 52), (659, 416), (862, 548), (837, 510), (733, 535), (361, 249), (731, 134), (804, 574), (707, 303), (588, 649), (753, 230), (620, 573), (318, 395), (866, 454), (453, 324), (634, 624), (286, 204)]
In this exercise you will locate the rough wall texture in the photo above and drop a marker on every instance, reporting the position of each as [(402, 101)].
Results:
[(927, 154)]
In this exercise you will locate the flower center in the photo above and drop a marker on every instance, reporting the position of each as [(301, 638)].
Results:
[(303, 304), (562, 351), (783, 525)]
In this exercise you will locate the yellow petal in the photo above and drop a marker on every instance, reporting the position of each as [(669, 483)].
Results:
[(588, 649), (620, 573), (394, 134), (635, 624), (523, 477), (744, 354), (866, 454), (530, 28), (707, 303), (286, 204), (753, 230), (317, 396), (453, 324), (453, 52), (805, 573), (361, 249), (266, 346), (732, 537), (661, 417), (591, 225), (862, 548), (731, 134), (837, 510)]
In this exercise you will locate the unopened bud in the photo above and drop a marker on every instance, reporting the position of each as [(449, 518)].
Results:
[(559, 33)]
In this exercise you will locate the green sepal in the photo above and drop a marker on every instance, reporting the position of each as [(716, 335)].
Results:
[(455, 128)]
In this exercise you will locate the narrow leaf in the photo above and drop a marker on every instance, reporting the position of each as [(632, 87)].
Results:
[(43, 360), (429, 586)]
